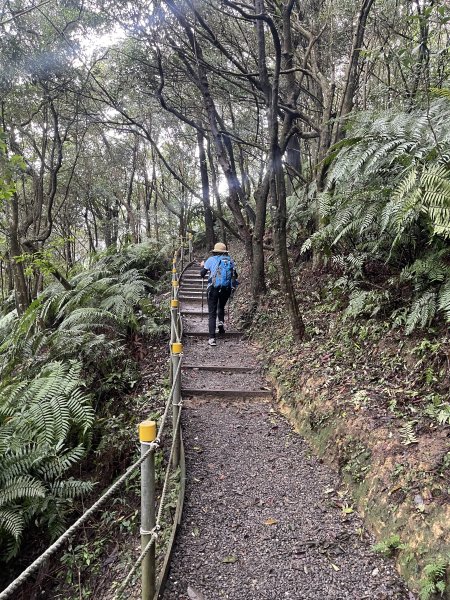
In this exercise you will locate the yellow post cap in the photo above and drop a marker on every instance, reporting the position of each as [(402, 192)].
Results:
[(177, 348), (174, 283), (190, 236), (174, 303), (174, 270), (147, 431)]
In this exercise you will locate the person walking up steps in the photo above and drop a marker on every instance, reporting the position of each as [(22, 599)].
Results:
[(222, 282)]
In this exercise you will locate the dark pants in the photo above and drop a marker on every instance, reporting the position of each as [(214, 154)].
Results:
[(217, 298)]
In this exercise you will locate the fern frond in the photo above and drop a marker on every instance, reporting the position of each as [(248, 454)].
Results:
[(422, 311), (12, 522), (21, 487), (444, 299), (71, 488), (94, 317)]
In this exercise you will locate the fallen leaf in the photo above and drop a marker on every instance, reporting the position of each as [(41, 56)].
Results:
[(194, 595), (335, 567), (270, 522), (347, 510), (229, 559)]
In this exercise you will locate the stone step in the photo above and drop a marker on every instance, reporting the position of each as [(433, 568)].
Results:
[(217, 393), (190, 298), (227, 353), (228, 334), (231, 383), (220, 368)]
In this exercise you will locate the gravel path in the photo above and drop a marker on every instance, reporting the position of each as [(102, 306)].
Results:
[(263, 519)]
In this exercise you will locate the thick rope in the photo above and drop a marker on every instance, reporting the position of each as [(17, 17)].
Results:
[(136, 565), (20, 580), (176, 436), (157, 527), (15, 585), (168, 404)]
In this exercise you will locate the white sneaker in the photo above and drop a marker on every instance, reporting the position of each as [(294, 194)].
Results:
[(212, 342)]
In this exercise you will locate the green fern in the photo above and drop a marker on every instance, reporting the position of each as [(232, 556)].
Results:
[(365, 303), (46, 414), (408, 434), (422, 311), (444, 299), (49, 405), (388, 198), (434, 581), (389, 546)]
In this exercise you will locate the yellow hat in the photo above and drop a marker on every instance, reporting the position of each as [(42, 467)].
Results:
[(220, 247)]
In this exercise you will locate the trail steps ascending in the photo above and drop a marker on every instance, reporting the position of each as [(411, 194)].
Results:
[(213, 371)]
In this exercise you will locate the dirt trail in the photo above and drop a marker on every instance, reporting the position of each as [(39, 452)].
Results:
[(263, 519)]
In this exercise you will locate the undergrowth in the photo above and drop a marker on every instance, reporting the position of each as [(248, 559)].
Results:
[(371, 399), (59, 364)]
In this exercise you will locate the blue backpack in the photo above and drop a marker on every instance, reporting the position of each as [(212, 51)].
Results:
[(222, 273)]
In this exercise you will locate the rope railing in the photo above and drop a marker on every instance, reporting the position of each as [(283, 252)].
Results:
[(186, 243), (20, 580), (155, 531), (150, 440)]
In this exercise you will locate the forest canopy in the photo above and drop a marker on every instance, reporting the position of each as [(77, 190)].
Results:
[(123, 122)]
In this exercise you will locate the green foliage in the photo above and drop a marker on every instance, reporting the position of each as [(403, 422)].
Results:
[(10, 167), (365, 302), (389, 546), (385, 214), (438, 410), (408, 434), (38, 418), (66, 342), (434, 581)]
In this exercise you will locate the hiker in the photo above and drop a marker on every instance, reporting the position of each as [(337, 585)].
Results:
[(222, 282)]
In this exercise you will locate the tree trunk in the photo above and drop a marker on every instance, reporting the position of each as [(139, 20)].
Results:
[(279, 219), (209, 223), (258, 278), (212, 168), (352, 74)]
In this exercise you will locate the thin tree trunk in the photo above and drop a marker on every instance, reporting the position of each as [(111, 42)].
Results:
[(212, 168), (20, 284), (279, 216), (209, 223), (352, 74), (258, 276)]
